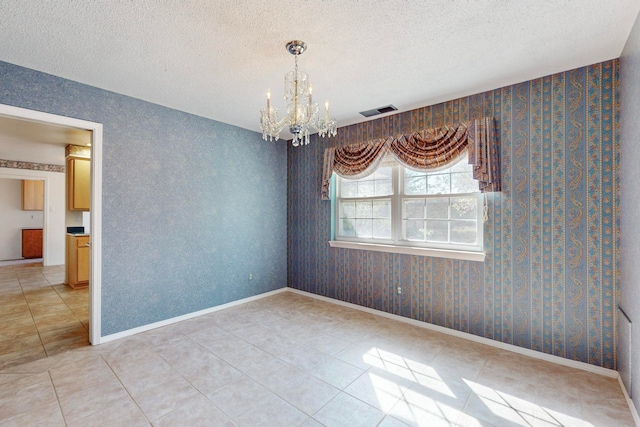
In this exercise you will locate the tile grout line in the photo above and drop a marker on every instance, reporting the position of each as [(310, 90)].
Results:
[(244, 374), (135, 402), (171, 340), (193, 385), (30, 273), (55, 391), (47, 352), (33, 319)]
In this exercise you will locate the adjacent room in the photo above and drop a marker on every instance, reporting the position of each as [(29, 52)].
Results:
[(379, 213)]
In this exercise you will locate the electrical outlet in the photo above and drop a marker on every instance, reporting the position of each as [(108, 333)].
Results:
[(250, 276), (399, 290)]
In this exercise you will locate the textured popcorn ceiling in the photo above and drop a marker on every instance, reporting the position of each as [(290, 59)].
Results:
[(218, 58)]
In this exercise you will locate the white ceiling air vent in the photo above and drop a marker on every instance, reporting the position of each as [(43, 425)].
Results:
[(381, 110)]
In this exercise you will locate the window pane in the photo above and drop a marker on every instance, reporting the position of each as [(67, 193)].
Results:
[(415, 185), (463, 182), (363, 228), (346, 228), (464, 208), (381, 209), (384, 187), (462, 165), (414, 209), (414, 230), (446, 170), (410, 173), (348, 209), (437, 231), (366, 188), (434, 211), (348, 188), (463, 232), (438, 208), (363, 209), (383, 173), (438, 184), (379, 183), (382, 228)]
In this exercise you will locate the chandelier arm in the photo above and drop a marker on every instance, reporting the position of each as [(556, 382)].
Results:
[(275, 124)]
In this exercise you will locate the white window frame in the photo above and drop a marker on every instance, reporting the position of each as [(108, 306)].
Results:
[(396, 244)]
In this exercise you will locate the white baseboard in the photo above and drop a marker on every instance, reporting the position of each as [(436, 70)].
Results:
[(487, 341), (166, 322), (464, 335), (632, 407)]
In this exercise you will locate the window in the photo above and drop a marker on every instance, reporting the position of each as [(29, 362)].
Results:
[(439, 209)]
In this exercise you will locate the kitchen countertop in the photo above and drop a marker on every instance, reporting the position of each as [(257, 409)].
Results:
[(78, 234)]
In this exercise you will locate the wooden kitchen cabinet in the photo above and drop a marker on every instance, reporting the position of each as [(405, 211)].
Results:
[(78, 260), (78, 184), (32, 243), (32, 195)]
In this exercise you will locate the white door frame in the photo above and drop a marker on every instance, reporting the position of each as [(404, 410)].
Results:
[(95, 287)]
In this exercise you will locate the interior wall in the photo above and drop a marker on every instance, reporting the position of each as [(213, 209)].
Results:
[(54, 231), (629, 202), (548, 282), (14, 219), (13, 147), (191, 206)]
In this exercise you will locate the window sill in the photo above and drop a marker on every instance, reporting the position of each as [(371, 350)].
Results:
[(410, 250)]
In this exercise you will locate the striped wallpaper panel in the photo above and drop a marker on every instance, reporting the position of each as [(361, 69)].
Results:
[(549, 280)]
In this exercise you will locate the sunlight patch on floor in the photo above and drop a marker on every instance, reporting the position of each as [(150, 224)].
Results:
[(416, 394)]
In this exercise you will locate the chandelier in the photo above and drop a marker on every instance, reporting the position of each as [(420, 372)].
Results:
[(302, 113)]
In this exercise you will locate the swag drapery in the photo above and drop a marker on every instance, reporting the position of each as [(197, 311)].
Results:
[(422, 150)]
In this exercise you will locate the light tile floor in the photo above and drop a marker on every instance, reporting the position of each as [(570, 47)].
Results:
[(290, 360), (39, 315)]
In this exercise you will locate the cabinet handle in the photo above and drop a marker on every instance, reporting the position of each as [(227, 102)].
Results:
[(88, 244)]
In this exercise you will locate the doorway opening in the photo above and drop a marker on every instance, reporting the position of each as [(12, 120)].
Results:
[(21, 210), (52, 214)]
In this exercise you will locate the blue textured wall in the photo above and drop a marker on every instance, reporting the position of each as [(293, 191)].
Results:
[(549, 279), (190, 206)]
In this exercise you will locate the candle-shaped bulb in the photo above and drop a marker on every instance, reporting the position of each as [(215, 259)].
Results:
[(269, 100), (310, 98), (326, 111)]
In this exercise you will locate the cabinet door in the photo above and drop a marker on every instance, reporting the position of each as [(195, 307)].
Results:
[(83, 263), (79, 184), (32, 195), (32, 243)]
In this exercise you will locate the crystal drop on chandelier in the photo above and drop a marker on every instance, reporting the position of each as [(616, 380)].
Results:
[(303, 116)]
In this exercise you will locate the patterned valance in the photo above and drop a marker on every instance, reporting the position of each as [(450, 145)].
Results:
[(423, 150)]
